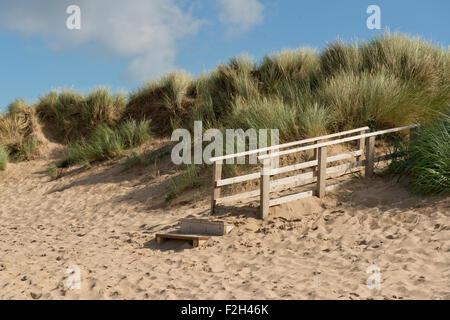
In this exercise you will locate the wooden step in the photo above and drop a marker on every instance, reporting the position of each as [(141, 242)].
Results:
[(204, 227), (196, 240)]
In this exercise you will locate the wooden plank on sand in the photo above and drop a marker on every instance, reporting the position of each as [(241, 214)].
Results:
[(195, 240), (204, 226)]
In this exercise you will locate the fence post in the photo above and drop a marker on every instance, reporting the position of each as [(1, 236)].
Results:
[(265, 188), (412, 133), (321, 171), (361, 145), (370, 155), (217, 175)]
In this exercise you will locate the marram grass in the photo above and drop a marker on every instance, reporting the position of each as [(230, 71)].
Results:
[(71, 115), (106, 142), (427, 158), (18, 131), (3, 157)]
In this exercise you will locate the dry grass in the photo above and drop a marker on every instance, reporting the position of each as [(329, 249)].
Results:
[(4, 157), (166, 102), (106, 142), (70, 115), (19, 130)]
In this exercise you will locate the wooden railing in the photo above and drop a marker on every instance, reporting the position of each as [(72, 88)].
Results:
[(218, 182), (364, 141)]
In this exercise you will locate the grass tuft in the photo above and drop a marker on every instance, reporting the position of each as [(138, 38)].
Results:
[(300, 67), (265, 113), (427, 158), (19, 131), (70, 115), (4, 157), (165, 101), (107, 143), (185, 180)]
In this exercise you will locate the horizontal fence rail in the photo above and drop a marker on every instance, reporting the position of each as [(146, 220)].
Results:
[(320, 172), (339, 141), (287, 145)]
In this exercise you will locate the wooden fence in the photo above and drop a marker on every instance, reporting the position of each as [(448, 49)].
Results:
[(365, 146)]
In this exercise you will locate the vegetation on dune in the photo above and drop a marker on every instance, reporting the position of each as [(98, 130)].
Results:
[(3, 157), (227, 83), (70, 115), (410, 59), (427, 157), (300, 67), (340, 57), (391, 80), (19, 131), (166, 102), (356, 100), (106, 142), (262, 114), (184, 180)]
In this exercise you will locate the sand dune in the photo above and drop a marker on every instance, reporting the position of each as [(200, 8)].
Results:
[(103, 221)]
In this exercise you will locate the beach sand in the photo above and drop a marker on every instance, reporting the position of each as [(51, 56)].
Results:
[(103, 221)]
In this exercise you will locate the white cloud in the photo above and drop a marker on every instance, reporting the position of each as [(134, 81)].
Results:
[(241, 15), (144, 31)]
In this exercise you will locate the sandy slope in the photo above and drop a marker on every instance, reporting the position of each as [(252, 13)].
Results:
[(104, 221)]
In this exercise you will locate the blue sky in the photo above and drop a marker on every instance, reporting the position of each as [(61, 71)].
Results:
[(121, 44)]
